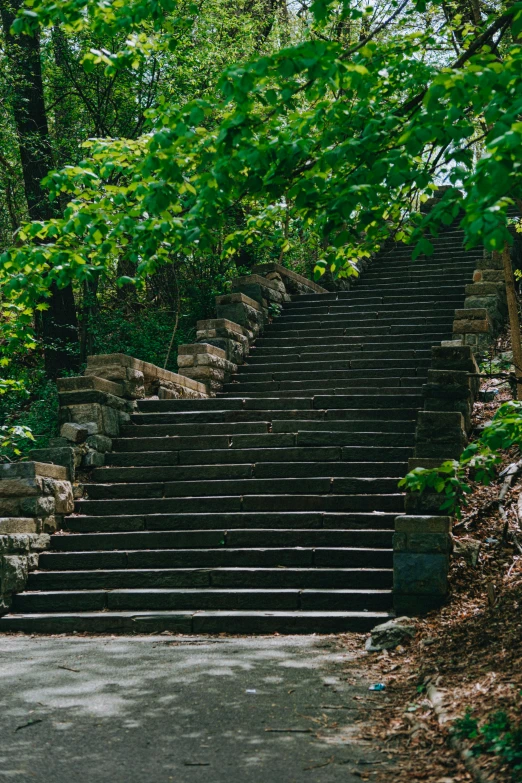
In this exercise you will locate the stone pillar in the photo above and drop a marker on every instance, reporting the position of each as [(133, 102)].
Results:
[(242, 310), (34, 497), (231, 338), (422, 541), (421, 550), (19, 554), (207, 364)]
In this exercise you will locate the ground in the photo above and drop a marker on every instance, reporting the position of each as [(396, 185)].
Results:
[(184, 709)]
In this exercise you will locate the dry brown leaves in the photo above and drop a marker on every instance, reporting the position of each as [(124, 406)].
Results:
[(471, 648)]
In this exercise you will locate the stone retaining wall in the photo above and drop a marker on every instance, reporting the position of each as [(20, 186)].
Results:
[(34, 498), (422, 541)]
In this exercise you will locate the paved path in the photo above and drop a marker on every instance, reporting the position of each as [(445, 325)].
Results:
[(171, 708)]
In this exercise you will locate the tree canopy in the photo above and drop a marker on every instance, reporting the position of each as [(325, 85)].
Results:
[(210, 129)]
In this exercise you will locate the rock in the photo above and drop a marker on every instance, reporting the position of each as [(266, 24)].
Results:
[(390, 634), (76, 433), (469, 550)]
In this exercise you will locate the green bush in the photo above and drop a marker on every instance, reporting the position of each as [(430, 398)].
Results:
[(499, 736)]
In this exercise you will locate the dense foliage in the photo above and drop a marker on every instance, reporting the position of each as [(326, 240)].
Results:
[(183, 141)]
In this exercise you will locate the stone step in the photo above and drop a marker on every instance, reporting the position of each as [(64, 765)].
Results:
[(279, 350), (242, 520), (341, 389), (221, 503), (194, 429), (203, 622), (253, 486), (333, 352), (403, 315), (277, 426), (103, 579), (238, 538), (201, 599), (235, 456), (354, 416), (412, 325), (317, 402), (377, 309), (252, 557), (354, 342), (317, 368), (340, 381), (371, 295)]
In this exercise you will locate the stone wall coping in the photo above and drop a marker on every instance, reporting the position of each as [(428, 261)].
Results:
[(254, 279), (471, 312), (148, 370), (197, 348), (84, 382), (264, 269), (31, 469), (222, 323), (225, 299)]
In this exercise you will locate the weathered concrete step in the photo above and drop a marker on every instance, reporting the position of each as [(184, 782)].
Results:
[(341, 389), (279, 350), (354, 342), (378, 310), (249, 471), (238, 538), (371, 294), (220, 503), (253, 486), (276, 356), (426, 315), (347, 383), (209, 622), (252, 557), (202, 416), (235, 456), (243, 520), (201, 599), (341, 311), (101, 579), (200, 443), (315, 368), (412, 278), (317, 402), (194, 429), (413, 325)]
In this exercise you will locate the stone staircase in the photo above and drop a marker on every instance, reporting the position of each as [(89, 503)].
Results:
[(270, 507)]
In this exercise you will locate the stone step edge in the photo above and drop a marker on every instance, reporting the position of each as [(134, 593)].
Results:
[(193, 622)]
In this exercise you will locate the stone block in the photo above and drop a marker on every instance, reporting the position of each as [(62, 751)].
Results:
[(99, 443), (447, 404), (105, 419), (427, 503), (63, 497), (195, 349), (92, 397), (18, 525), (419, 462), (294, 283), (57, 456), (422, 542), (86, 382), (458, 357), (490, 261), (76, 433), (417, 523), (235, 352), (485, 289), (420, 574), (222, 327), (13, 573), (93, 459), (31, 470)]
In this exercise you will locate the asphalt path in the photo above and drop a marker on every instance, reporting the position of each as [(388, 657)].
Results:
[(279, 709)]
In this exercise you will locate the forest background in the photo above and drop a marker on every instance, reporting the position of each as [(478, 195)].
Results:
[(151, 151)]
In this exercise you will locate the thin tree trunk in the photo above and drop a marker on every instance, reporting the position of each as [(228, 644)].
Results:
[(514, 321), (59, 323)]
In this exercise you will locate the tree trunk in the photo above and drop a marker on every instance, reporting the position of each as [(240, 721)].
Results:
[(59, 323), (514, 321)]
